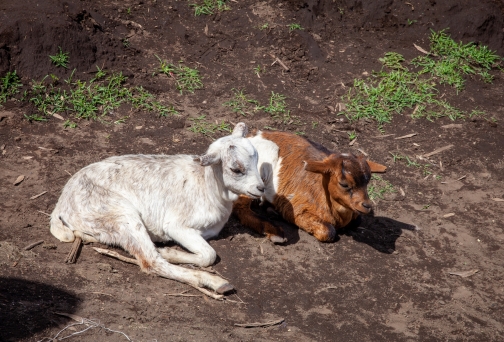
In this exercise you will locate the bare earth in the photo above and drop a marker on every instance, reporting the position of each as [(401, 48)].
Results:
[(409, 273)]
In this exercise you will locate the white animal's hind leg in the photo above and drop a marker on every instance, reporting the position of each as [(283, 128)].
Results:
[(135, 240), (204, 255)]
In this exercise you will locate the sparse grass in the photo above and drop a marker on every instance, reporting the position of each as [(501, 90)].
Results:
[(352, 135), (451, 61), (294, 26), (69, 124), (200, 125), (9, 86), (258, 70), (83, 100), (61, 59), (395, 88), (378, 187), (409, 162), (125, 42), (411, 22), (209, 6), (276, 105), (264, 26), (187, 79), (241, 103)]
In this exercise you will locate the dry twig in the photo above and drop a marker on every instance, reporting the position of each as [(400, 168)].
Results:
[(37, 196), (255, 325), (31, 245), (444, 148), (81, 321), (134, 261)]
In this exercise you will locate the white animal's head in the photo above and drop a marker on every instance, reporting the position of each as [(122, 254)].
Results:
[(238, 159)]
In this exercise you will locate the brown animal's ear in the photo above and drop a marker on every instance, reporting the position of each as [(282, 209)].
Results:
[(316, 166), (375, 167)]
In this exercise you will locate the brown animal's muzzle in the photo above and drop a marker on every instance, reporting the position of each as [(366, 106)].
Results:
[(364, 207)]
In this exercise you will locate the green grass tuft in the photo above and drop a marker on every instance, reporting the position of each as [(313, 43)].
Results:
[(61, 59), (378, 187), (200, 125), (9, 86), (208, 7), (396, 89), (187, 79)]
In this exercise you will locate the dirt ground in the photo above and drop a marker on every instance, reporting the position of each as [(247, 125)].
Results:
[(390, 279)]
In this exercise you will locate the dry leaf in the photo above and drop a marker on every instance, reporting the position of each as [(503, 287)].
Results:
[(19, 179), (421, 49), (449, 215), (496, 199), (464, 274), (57, 116), (352, 142)]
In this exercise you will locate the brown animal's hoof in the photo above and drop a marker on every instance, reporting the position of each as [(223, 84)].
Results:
[(277, 239), (225, 288)]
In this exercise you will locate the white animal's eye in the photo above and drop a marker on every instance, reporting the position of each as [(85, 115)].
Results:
[(237, 171)]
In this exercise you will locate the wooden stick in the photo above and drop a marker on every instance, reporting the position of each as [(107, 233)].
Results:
[(134, 261), (44, 213), (280, 62), (181, 294), (72, 256), (36, 196), (254, 325), (406, 136), (116, 255), (31, 245), (438, 150)]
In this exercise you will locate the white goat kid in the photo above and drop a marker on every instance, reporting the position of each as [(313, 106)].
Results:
[(134, 200)]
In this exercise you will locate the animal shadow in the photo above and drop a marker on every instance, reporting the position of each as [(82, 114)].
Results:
[(379, 232), (28, 307)]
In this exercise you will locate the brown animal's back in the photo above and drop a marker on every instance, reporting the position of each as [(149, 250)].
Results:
[(290, 201)]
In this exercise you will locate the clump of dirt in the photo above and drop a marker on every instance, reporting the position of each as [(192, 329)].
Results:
[(392, 278)]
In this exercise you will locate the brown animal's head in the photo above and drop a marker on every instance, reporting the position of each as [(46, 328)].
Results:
[(346, 178)]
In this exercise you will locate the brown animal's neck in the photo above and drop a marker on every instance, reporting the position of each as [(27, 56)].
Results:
[(340, 213)]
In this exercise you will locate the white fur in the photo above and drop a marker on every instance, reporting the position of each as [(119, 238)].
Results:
[(133, 200), (269, 164)]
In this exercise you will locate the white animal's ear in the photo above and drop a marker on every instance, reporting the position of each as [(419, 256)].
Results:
[(208, 159), (240, 130)]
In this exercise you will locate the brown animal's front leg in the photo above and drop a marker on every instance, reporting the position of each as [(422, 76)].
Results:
[(247, 217), (323, 231)]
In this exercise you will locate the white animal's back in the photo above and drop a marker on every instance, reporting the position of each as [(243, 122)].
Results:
[(133, 200)]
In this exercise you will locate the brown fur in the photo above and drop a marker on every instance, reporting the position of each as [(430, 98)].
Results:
[(310, 193)]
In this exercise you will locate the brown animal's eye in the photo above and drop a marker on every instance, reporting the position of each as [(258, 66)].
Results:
[(344, 185)]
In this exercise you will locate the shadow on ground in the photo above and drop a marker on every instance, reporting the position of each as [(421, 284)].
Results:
[(28, 307)]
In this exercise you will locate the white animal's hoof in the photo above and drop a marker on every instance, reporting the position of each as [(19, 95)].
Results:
[(277, 239), (225, 288)]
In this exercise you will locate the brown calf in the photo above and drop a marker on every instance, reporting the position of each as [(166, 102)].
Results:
[(310, 186)]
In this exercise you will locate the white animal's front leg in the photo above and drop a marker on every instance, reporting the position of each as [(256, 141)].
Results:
[(204, 255)]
